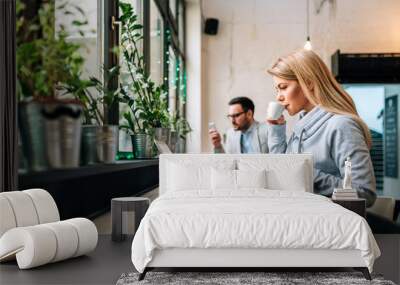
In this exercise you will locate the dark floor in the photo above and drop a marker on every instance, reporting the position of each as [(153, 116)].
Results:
[(103, 266), (110, 259)]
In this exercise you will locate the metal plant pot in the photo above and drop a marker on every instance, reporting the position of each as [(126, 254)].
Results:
[(162, 134), (180, 146), (142, 145), (89, 153), (173, 140), (107, 143), (62, 124), (50, 134), (31, 126)]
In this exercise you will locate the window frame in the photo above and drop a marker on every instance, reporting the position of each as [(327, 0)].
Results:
[(110, 59), (170, 24), (171, 40), (163, 43)]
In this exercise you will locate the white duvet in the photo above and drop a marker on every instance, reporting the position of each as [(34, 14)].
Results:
[(250, 219)]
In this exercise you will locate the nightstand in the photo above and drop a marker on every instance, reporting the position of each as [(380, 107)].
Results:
[(356, 205), (122, 211)]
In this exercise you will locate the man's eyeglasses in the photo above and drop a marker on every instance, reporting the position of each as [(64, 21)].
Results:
[(235, 116)]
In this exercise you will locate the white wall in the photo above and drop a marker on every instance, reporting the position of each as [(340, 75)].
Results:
[(253, 33)]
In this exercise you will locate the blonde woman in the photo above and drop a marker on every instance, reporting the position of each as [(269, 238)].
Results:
[(329, 126)]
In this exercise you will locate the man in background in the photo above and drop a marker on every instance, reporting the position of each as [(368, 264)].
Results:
[(246, 135)]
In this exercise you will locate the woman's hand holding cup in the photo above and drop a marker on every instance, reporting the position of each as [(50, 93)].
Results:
[(279, 121), (274, 113)]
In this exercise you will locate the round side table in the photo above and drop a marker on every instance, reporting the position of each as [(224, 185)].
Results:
[(121, 208)]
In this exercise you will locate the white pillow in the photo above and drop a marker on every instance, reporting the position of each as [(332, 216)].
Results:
[(182, 177), (185, 175), (223, 179), (291, 179), (282, 174), (226, 179), (251, 178)]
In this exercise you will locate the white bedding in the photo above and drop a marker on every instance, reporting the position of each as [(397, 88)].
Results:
[(253, 218)]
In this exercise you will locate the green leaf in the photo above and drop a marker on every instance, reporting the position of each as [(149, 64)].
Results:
[(137, 27), (80, 23), (79, 9)]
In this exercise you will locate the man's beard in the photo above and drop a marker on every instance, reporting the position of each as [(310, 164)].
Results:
[(244, 127)]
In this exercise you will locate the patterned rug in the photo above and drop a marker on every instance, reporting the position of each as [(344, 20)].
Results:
[(269, 278)]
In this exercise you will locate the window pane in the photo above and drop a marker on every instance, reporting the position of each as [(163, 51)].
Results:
[(181, 24), (182, 88), (172, 7), (89, 39), (62, 49), (370, 102), (156, 44), (363, 96), (172, 81), (125, 143)]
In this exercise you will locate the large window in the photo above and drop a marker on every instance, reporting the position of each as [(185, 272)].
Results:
[(181, 87), (363, 97), (377, 105), (125, 142), (172, 7), (59, 48), (175, 65), (156, 44), (172, 80), (163, 50), (181, 25), (93, 28), (88, 35)]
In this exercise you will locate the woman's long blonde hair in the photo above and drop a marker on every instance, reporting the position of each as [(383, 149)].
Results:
[(307, 68)]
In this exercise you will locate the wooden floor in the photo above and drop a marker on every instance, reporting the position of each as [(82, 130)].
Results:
[(103, 266)]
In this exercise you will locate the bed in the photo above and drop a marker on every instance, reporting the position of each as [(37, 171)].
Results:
[(246, 211)]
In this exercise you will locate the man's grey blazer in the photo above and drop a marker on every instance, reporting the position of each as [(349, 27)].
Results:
[(259, 140)]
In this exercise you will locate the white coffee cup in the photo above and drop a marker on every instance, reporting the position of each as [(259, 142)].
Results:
[(274, 110)]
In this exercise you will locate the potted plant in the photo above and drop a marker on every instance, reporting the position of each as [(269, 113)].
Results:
[(50, 126), (180, 128), (107, 135), (184, 129), (92, 117), (144, 118), (147, 102), (99, 138)]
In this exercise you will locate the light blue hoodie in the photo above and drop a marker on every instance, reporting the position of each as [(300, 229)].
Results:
[(331, 138)]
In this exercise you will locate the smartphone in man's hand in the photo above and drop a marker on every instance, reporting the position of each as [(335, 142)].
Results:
[(214, 135), (212, 126)]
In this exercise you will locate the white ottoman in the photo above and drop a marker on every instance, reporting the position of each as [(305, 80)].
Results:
[(31, 232)]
